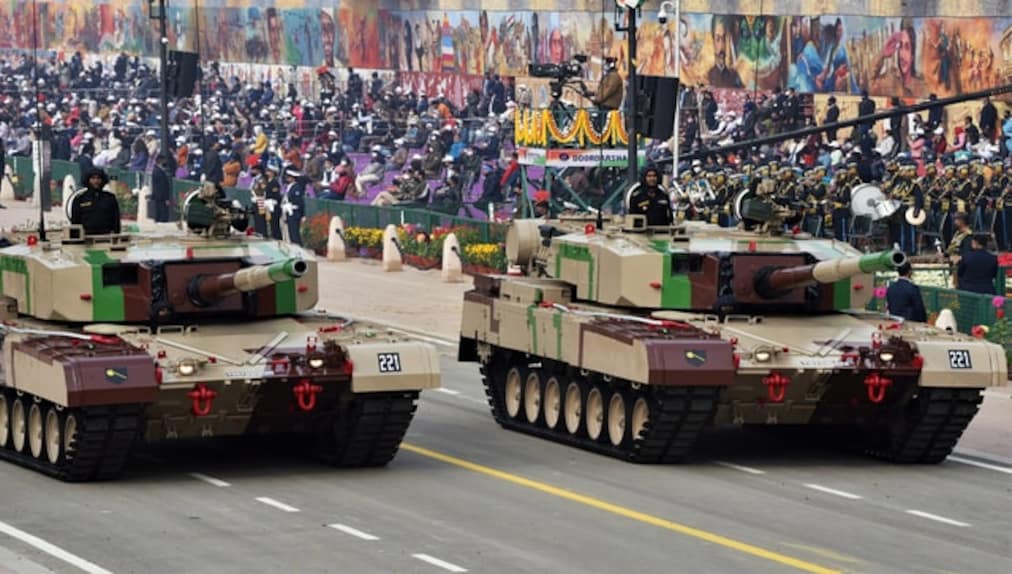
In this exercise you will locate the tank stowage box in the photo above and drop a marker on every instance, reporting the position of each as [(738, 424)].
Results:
[(629, 340), (171, 335)]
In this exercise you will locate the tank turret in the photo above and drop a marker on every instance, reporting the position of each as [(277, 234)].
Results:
[(207, 289), (774, 282)]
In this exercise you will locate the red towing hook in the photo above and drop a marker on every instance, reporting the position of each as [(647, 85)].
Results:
[(305, 394), (877, 387), (203, 399), (776, 386)]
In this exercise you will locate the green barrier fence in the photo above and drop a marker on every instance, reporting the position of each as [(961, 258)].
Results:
[(969, 309), (356, 215)]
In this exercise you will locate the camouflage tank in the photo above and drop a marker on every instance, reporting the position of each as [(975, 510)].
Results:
[(628, 340), (183, 335)]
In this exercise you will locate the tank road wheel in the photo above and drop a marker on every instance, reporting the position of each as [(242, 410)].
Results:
[(18, 424), (640, 418), (69, 434), (553, 403), (595, 413), (533, 397), (5, 420), (617, 419), (513, 392), (35, 430), (54, 438), (572, 408)]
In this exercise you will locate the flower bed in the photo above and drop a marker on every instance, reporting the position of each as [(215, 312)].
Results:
[(419, 248)]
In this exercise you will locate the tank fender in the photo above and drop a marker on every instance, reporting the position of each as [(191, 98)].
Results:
[(406, 366), (970, 363), (63, 371)]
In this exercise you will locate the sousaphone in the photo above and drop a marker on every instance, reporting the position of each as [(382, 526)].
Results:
[(868, 200)]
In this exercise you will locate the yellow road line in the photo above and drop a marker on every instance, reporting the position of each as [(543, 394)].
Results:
[(624, 512)]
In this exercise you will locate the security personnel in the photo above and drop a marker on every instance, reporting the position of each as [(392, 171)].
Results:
[(977, 268), (903, 297), (95, 209), (293, 205), (272, 200), (651, 199)]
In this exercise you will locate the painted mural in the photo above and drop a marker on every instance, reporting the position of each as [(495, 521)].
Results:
[(906, 57)]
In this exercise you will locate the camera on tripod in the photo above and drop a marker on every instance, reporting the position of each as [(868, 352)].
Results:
[(561, 74)]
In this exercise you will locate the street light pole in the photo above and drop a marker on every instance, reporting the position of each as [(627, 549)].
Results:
[(168, 165), (163, 55), (676, 145), (632, 96)]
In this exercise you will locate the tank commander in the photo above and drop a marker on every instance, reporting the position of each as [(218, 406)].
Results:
[(95, 209), (651, 199)]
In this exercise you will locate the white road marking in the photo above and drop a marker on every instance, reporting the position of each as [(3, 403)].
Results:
[(731, 465), (834, 491), (210, 480), (353, 531), (994, 467), (447, 391), (938, 518), (52, 549), (441, 563), (277, 504)]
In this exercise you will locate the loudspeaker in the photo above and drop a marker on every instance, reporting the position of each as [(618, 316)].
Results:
[(183, 70), (658, 97)]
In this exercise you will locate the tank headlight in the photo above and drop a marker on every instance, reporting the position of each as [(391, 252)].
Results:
[(886, 356), (187, 367), (316, 362), (762, 356)]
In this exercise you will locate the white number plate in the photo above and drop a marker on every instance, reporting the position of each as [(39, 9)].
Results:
[(959, 359), (389, 362), (821, 363), (245, 373)]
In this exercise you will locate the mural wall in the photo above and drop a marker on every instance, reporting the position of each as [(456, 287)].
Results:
[(907, 57)]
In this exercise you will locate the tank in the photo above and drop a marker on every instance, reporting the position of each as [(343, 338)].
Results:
[(629, 340), (191, 333)]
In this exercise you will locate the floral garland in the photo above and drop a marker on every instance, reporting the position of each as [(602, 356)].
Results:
[(538, 128)]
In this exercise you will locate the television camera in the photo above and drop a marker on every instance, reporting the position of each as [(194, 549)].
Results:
[(566, 74)]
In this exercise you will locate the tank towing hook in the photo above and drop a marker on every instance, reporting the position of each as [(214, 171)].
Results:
[(203, 399), (877, 385), (776, 386), (305, 395)]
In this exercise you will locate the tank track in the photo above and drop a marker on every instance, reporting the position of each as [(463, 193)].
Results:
[(366, 431), (928, 427), (678, 416), (98, 450)]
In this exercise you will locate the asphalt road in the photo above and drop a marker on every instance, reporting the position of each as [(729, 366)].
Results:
[(464, 494)]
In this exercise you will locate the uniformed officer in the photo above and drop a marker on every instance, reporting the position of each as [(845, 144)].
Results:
[(272, 200), (95, 209), (651, 199), (294, 204)]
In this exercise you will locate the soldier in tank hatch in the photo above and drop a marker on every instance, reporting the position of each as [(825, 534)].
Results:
[(95, 209), (651, 199)]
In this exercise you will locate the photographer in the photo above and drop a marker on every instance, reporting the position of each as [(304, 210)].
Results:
[(609, 91)]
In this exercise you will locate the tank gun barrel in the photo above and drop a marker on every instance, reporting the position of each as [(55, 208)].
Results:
[(773, 282), (206, 289)]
